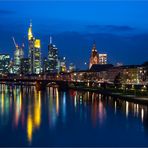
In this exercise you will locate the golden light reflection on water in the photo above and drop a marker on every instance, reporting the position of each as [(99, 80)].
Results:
[(37, 110), (57, 101), (34, 115), (2, 103), (29, 127)]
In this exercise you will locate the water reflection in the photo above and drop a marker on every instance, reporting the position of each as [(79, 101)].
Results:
[(99, 104), (4, 105), (31, 111), (126, 106), (17, 105), (16, 101), (53, 107), (34, 114), (98, 110)]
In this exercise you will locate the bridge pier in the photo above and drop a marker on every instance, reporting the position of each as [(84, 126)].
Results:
[(63, 85), (41, 85)]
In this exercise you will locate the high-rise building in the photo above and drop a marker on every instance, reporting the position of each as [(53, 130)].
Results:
[(25, 65), (4, 63), (72, 67), (34, 53), (18, 55), (63, 65), (53, 57), (45, 65), (37, 57), (94, 59), (102, 58)]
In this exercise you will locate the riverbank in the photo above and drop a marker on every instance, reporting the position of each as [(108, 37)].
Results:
[(120, 95)]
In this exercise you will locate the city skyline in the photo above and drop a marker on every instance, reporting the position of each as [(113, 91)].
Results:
[(73, 73), (123, 36)]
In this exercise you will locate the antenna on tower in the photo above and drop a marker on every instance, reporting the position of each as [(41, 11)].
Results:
[(94, 45), (23, 45), (50, 39), (30, 23)]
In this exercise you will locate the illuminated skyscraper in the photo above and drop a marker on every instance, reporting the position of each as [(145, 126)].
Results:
[(4, 63), (72, 67), (102, 58), (34, 53), (53, 57), (37, 57), (94, 59), (63, 65), (18, 55)]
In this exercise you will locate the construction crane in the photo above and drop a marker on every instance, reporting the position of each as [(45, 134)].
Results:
[(16, 45)]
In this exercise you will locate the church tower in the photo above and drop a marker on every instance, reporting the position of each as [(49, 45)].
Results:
[(94, 59)]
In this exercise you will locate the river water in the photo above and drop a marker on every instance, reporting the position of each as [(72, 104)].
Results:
[(71, 118)]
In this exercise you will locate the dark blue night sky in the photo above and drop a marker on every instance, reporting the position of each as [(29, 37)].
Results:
[(120, 28)]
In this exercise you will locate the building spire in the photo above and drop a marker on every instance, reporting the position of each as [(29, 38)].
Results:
[(31, 23), (94, 45), (30, 35), (50, 39)]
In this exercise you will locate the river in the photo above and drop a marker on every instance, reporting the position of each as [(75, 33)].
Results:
[(69, 118)]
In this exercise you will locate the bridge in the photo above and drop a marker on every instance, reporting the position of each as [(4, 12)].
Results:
[(41, 82), (63, 81)]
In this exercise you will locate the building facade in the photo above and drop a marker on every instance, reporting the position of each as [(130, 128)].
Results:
[(53, 58), (18, 55), (25, 66), (72, 67), (4, 63), (102, 58), (34, 53), (63, 65)]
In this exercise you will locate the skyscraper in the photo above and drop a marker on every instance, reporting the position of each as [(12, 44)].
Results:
[(34, 53), (45, 65), (63, 65), (72, 67), (37, 56), (4, 63), (53, 57), (18, 55), (94, 59), (25, 66)]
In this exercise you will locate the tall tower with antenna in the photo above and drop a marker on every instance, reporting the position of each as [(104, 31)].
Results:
[(34, 53), (53, 58)]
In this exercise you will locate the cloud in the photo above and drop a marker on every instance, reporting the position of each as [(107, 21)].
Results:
[(119, 28), (110, 28), (6, 12)]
